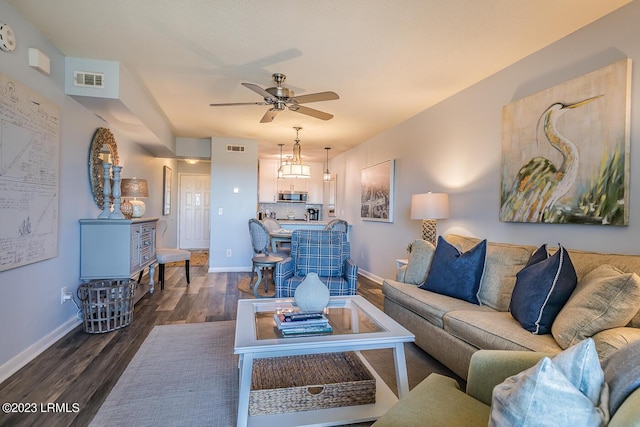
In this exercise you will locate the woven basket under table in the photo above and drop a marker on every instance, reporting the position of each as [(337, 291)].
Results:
[(314, 381), (107, 304)]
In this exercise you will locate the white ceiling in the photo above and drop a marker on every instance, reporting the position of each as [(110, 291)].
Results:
[(388, 60)]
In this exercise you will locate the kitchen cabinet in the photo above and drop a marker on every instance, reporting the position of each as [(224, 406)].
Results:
[(267, 181), (117, 248), (293, 184), (269, 185), (315, 185)]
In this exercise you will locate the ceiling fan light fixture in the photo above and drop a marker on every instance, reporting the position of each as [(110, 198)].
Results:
[(295, 168), (281, 98)]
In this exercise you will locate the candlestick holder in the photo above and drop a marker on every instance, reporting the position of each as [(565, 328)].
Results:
[(106, 191), (116, 213)]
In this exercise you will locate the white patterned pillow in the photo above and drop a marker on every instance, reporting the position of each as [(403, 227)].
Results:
[(566, 390)]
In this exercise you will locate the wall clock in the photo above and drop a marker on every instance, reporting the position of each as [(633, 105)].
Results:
[(7, 38)]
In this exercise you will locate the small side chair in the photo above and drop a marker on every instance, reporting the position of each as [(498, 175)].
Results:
[(167, 255)]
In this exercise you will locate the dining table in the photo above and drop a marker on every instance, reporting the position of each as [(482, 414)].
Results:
[(279, 236)]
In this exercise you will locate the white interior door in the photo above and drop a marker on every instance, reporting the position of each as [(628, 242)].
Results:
[(195, 197)]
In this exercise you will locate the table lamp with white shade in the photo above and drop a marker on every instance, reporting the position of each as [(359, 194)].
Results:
[(429, 207), (134, 188)]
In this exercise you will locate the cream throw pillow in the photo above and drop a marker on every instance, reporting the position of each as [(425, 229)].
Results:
[(605, 298), (419, 262)]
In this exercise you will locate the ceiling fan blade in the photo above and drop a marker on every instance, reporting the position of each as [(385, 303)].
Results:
[(311, 112), (315, 97), (257, 89), (227, 104), (269, 115)]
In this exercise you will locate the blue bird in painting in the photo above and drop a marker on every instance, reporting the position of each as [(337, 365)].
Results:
[(539, 184)]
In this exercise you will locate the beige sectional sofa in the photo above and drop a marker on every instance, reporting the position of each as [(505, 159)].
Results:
[(451, 330)]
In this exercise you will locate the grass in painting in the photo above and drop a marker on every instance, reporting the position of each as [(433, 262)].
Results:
[(603, 202)]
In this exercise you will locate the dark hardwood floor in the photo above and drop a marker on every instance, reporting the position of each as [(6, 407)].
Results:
[(78, 372)]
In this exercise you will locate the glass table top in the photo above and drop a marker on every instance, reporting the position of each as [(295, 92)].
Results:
[(346, 317)]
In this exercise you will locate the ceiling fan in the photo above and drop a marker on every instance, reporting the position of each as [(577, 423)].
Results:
[(281, 97)]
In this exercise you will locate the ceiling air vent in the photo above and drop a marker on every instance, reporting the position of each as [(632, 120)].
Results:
[(86, 79), (235, 148)]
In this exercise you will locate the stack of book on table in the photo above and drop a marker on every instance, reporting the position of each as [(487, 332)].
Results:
[(296, 323)]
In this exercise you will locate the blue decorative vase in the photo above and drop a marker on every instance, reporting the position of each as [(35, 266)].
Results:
[(312, 295)]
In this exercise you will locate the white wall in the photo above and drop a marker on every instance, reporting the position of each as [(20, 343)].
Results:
[(31, 316), (230, 230), (455, 147)]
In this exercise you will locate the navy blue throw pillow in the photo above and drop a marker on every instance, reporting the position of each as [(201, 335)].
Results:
[(542, 288), (454, 273)]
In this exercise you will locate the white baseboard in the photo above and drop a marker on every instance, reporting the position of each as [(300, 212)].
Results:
[(370, 276), (31, 352)]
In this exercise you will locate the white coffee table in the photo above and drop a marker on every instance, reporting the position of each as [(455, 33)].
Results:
[(358, 325)]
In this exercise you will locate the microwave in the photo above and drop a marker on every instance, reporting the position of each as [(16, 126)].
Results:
[(292, 196)]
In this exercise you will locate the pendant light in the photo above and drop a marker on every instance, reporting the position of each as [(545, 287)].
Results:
[(295, 168), (327, 175), (280, 167)]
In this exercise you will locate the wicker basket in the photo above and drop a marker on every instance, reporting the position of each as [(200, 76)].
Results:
[(107, 305), (315, 381)]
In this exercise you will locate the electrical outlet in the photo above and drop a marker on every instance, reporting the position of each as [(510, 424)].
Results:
[(65, 295), (228, 252)]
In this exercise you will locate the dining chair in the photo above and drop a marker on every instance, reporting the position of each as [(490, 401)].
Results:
[(274, 225), (261, 244), (271, 224), (337, 225), (167, 255)]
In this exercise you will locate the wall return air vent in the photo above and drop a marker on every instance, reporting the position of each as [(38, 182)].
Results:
[(235, 148), (87, 79)]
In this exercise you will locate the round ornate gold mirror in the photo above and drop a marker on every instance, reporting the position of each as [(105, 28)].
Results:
[(103, 150)]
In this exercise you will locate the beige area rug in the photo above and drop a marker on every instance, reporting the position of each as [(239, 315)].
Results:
[(187, 375), (198, 258), (182, 375), (244, 286)]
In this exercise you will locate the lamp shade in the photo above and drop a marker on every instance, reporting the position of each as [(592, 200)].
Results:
[(430, 206), (295, 168), (296, 171), (134, 187)]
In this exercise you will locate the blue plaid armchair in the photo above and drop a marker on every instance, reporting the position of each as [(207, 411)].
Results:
[(327, 253)]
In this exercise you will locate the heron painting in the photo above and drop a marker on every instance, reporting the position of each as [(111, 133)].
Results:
[(565, 152)]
